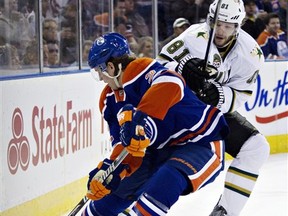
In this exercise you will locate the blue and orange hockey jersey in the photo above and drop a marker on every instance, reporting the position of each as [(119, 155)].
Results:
[(176, 114), (111, 101)]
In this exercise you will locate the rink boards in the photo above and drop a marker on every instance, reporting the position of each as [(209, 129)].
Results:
[(53, 135)]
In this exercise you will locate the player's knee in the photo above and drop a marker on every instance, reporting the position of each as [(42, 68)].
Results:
[(255, 151), (154, 201), (175, 183)]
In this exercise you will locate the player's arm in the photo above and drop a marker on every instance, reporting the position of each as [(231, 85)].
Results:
[(229, 96), (192, 70), (239, 90), (171, 54), (178, 48), (166, 90), (196, 76), (132, 132), (97, 189)]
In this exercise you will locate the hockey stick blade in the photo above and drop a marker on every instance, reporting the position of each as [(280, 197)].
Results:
[(110, 169)]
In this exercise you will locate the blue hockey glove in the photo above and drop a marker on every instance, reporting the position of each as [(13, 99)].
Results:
[(132, 134), (96, 189)]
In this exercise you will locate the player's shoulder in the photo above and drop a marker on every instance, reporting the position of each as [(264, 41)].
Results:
[(103, 97), (140, 63), (136, 67), (248, 48), (196, 30), (196, 37), (106, 90), (110, 97), (246, 41)]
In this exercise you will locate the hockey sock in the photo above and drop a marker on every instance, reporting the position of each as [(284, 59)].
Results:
[(105, 206), (162, 192), (242, 174)]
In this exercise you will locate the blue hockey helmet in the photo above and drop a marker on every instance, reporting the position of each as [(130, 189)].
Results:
[(107, 46)]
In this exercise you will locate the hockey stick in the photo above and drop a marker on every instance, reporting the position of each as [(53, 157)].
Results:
[(110, 169), (203, 82), (211, 34)]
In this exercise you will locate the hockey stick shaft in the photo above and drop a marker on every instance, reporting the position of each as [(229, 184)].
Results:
[(114, 165), (212, 34), (110, 169)]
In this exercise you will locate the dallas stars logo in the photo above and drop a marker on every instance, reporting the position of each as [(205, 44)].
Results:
[(256, 51), (202, 34)]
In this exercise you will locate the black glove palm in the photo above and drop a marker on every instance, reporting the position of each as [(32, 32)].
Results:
[(192, 70), (212, 93)]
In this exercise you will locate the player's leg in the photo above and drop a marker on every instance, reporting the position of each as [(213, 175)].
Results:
[(109, 205), (154, 201), (250, 150), (189, 168)]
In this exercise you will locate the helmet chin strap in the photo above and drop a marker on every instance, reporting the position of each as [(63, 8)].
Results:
[(118, 74), (228, 43)]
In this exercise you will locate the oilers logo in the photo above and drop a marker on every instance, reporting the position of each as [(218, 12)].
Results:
[(150, 129), (100, 41)]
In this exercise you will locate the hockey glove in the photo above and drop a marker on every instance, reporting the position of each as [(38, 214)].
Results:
[(212, 93), (98, 190), (132, 134), (133, 163), (192, 70)]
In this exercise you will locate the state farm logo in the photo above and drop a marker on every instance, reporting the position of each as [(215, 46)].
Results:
[(18, 151), (52, 134)]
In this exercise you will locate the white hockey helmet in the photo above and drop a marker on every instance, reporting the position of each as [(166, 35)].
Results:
[(230, 11)]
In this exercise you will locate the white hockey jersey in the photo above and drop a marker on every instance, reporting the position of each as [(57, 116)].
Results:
[(237, 73)]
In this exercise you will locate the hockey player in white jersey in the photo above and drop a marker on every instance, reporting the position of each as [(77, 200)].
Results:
[(227, 82)]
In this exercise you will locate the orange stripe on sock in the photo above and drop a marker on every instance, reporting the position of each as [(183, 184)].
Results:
[(142, 210)]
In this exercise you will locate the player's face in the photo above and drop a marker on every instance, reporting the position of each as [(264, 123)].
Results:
[(223, 33), (106, 74)]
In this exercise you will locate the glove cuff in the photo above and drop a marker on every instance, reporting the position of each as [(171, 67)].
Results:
[(125, 114), (139, 117), (221, 99), (182, 63)]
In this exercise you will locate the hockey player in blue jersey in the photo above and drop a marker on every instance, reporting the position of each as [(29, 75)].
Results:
[(179, 149)]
